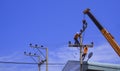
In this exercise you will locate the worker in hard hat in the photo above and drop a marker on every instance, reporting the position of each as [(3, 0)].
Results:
[(77, 35), (85, 50)]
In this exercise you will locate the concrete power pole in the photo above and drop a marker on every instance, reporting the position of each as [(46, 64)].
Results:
[(39, 61), (32, 56), (81, 45), (39, 48)]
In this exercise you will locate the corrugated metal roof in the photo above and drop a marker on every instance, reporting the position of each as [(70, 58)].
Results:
[(105, 65), (88, 66)]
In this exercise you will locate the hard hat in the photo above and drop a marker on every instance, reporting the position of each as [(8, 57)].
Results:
[(77, 33)]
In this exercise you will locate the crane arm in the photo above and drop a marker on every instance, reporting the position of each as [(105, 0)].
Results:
[(105, 33)]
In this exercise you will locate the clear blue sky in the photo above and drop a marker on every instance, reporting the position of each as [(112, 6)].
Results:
[(53, 23)]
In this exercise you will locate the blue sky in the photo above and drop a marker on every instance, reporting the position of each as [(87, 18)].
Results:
[(53, 23)]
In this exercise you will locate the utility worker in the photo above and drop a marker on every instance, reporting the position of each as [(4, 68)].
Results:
[(77, 35), (85, 50)]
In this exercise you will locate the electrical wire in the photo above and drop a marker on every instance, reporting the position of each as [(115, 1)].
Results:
[(5, 62), (41, 53), (33, 59), (83, 36), (84, 31)]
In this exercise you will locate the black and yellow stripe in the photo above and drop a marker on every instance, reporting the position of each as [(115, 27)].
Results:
[(106, 34)]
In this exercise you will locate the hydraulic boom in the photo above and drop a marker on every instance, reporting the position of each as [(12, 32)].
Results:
[(105, 33)]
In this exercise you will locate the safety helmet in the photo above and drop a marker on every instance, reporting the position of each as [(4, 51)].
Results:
[(77, 32)]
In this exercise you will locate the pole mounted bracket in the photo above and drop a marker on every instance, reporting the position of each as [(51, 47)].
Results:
[(78, 45)]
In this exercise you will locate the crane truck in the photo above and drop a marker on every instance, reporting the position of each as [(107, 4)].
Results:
[(104, 32)]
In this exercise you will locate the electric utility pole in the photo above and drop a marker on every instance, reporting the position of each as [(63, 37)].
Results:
[(41, 57), (39, 48), (35, 55), (81, 45)]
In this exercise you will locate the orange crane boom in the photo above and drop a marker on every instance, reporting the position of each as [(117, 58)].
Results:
[(105, 33)]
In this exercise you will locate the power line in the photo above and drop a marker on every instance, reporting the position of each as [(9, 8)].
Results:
[(16, 62), (4, 62)]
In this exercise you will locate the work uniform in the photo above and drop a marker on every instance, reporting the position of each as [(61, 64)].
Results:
[(76, 38), (85, 50)]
